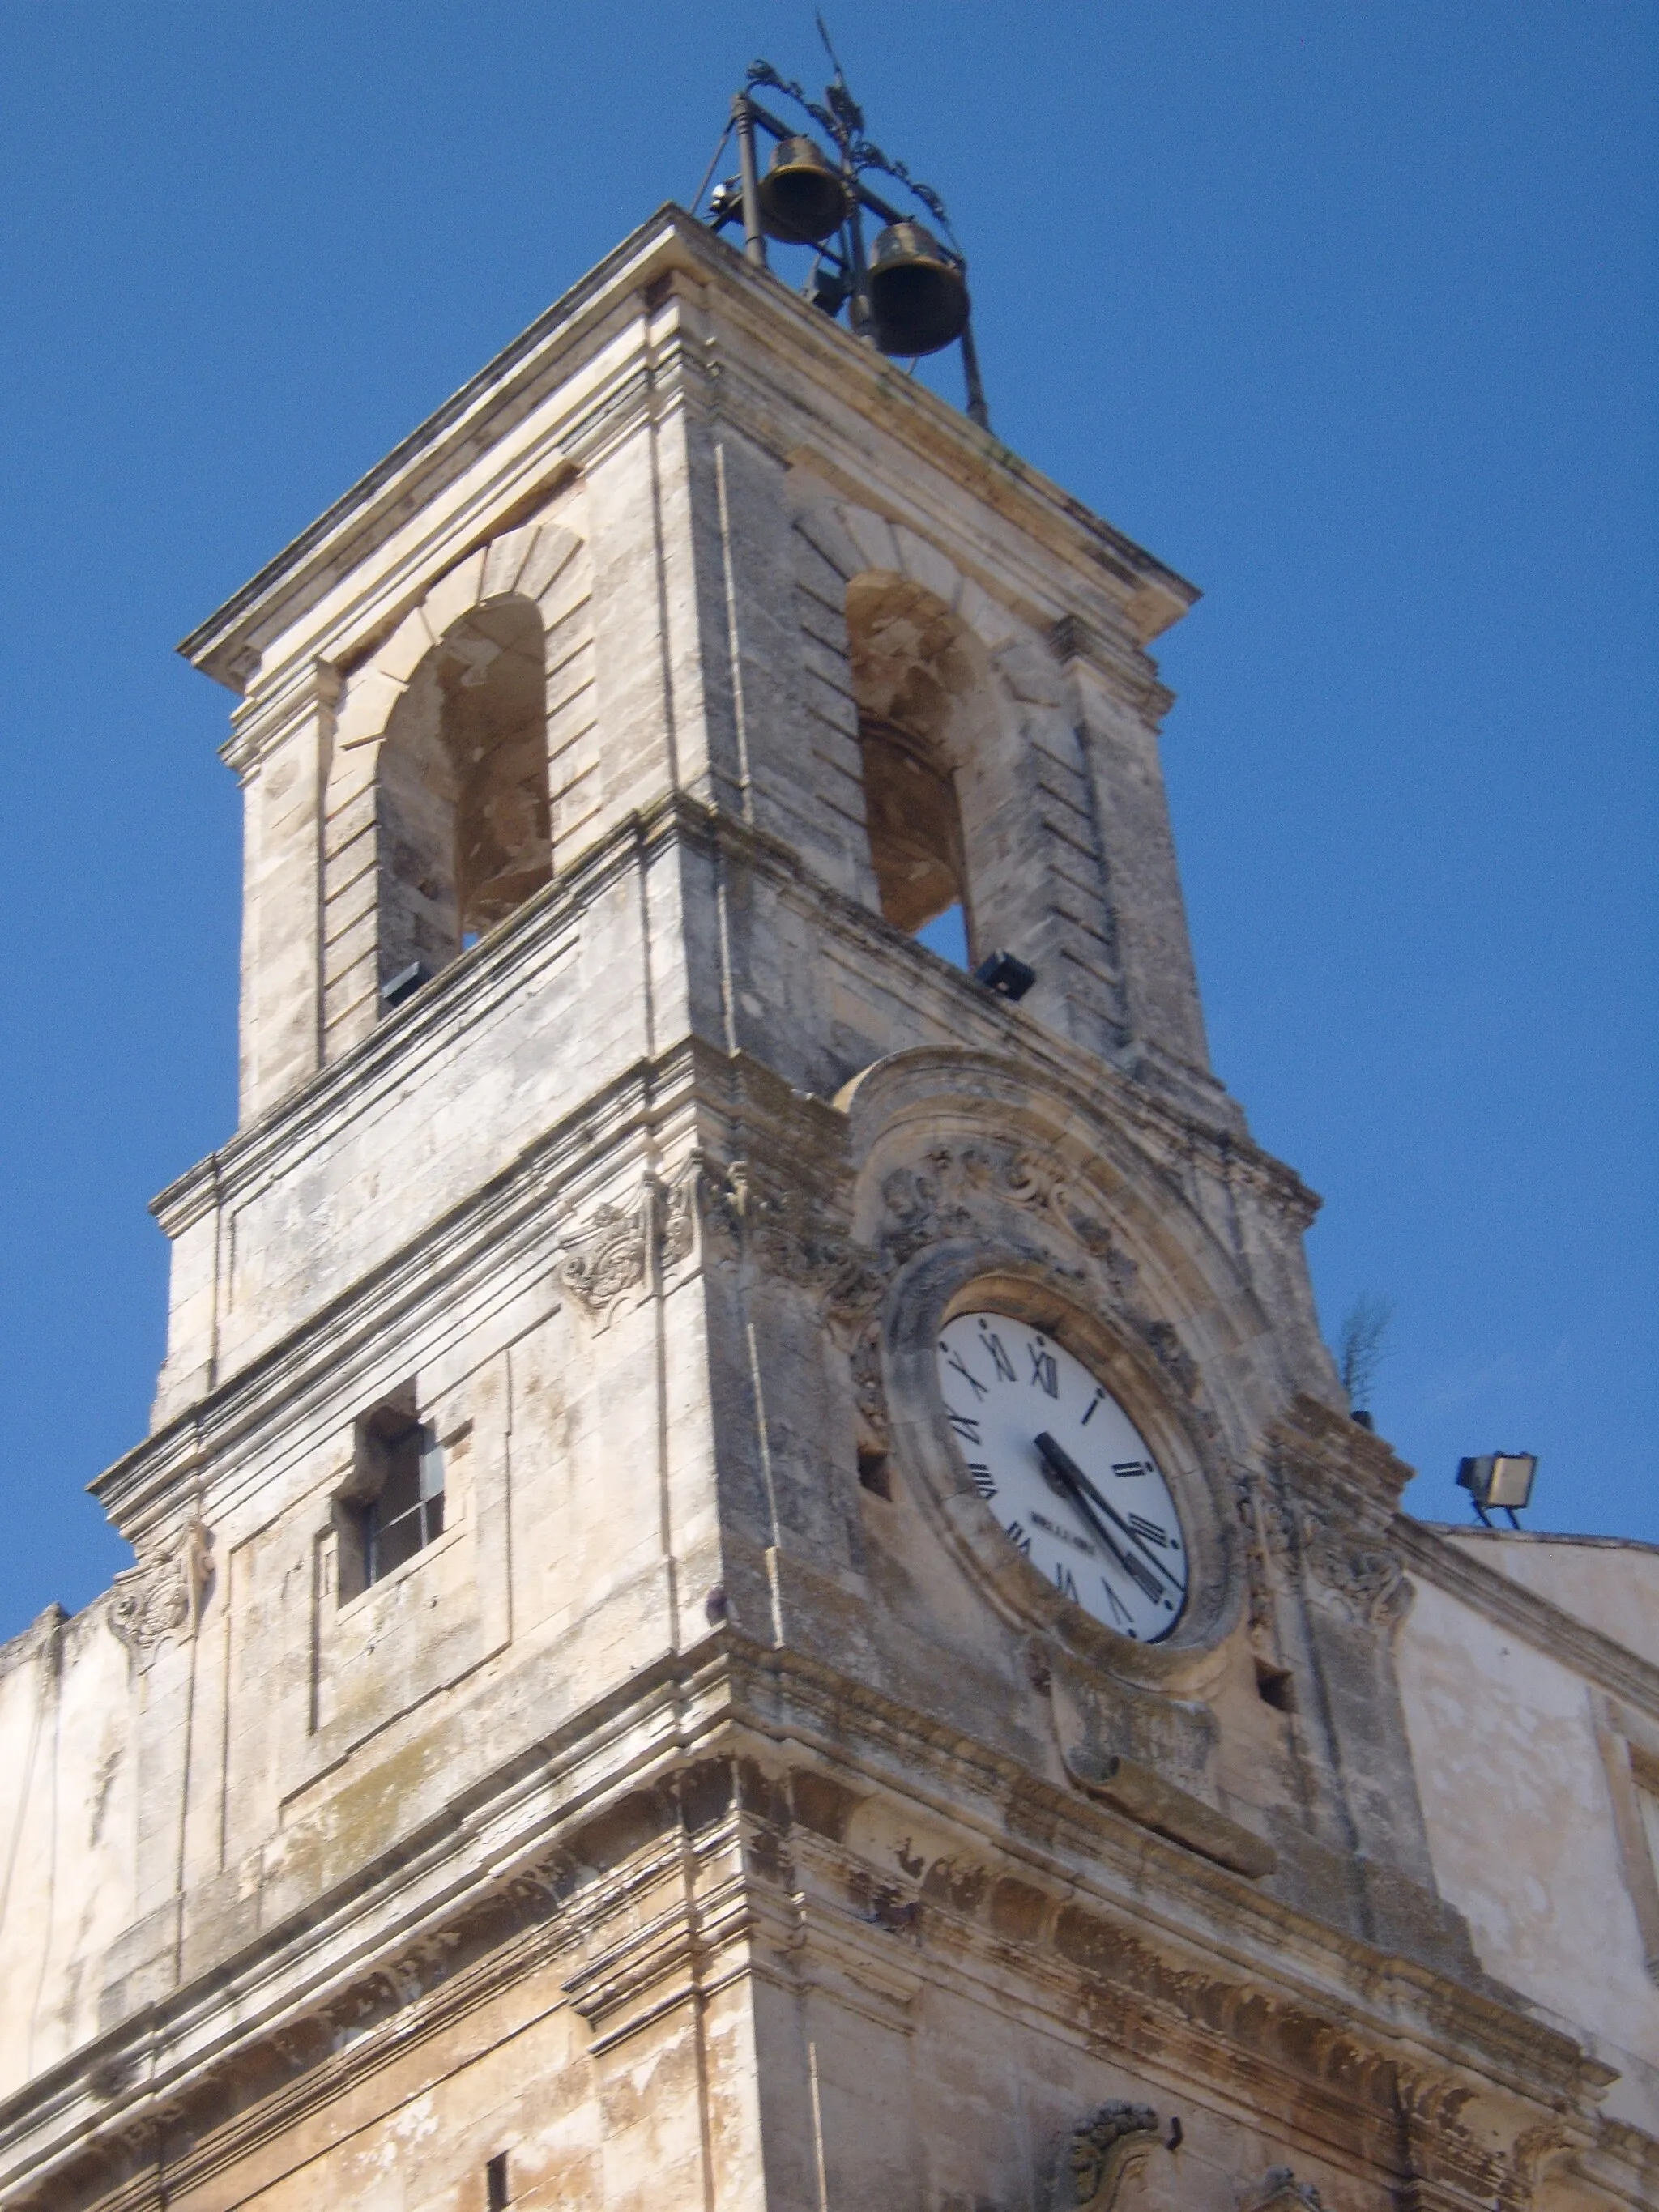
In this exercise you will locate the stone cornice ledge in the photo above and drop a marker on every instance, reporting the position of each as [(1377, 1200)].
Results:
[(517, 1835), (1546, 1626)]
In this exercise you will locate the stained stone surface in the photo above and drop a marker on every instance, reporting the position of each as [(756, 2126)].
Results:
[(720, 1811)]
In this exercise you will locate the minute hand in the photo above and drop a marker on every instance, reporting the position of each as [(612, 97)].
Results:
[(1062, 1473), (1075, 1480)]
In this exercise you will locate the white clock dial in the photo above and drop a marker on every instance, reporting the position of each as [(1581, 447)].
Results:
[(1065, 1471)]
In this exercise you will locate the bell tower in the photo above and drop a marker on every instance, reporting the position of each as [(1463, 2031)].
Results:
[(754, 1588)]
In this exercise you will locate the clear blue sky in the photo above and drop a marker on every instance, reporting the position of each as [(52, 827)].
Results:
[(1346, 311)]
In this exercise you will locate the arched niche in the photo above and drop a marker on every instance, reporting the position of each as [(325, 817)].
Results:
[(943, 685), (462, 809), (455, 739)]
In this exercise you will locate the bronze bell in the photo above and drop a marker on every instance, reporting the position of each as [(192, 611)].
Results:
[(803, 200), (918, 294)]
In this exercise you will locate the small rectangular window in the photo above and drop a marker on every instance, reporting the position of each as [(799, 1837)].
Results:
[(408, 1512), (495, 2183), (393, 1504)]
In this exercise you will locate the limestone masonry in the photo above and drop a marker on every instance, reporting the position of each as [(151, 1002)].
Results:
[(607, 1711)]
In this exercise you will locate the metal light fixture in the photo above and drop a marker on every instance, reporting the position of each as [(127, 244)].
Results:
[(1009, 977), (1500, 1480)]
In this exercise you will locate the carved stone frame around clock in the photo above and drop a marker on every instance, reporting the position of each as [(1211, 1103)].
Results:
[(962, 1274)]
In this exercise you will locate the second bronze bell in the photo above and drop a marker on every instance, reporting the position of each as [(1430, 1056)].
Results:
[(918, 294), (803, 200)]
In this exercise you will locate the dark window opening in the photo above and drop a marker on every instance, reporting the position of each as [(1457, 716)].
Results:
[(874, 1474), (915, 828), (495, 2183), (394, 1506), (1275, 1687)]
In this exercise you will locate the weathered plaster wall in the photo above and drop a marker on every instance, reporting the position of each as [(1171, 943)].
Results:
[(1610, 1585), (1515, 1791), (69, 1708)]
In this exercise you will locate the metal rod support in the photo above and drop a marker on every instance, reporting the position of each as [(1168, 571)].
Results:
[(858, 305), (754, 242), (977, 410)]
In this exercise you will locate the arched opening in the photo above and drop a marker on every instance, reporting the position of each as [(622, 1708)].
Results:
[(462, 796), (911, 676)]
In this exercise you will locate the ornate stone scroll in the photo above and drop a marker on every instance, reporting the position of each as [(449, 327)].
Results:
[(1366, 1581), (1102, 2152), (608, 1256), (162, 1595), (1278, 2191)]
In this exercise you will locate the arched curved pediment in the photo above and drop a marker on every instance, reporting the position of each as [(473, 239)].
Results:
[(1112, 1195)]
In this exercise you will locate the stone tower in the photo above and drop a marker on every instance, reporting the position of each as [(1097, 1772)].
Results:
[(593, 1722)]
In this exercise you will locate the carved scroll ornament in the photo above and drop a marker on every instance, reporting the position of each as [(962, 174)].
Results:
[(161, 1596), (1278, 2191), (607, 1257), (1101, 2155)]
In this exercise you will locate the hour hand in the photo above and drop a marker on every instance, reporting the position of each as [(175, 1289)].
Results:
[(1067, 1476), (1090, 1503)]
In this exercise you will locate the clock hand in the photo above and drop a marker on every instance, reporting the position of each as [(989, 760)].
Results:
[(1067, 1475), (1067, 1467)]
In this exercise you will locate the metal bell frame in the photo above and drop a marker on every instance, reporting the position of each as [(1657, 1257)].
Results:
[(840, 275)]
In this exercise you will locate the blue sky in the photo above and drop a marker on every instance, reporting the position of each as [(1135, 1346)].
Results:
[(1347, 312)]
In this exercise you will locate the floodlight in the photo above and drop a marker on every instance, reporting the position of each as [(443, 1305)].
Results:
[(1500, 1480), (1008, 977)]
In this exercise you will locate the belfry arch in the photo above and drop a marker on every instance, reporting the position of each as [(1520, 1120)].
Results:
[(945, 690), (462, 803), (455, 745)]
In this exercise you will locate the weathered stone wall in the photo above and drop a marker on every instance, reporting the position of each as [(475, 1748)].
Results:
[(720, 1811), (1522, 1716)]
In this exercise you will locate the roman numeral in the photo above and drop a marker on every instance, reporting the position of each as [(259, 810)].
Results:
[(1119, 1610), (1044, 1373), (1123, 1468), (983, 1480), (966, 1373), (1149, 1529), (1145, 1580), (965, 1426), (1090, 1415), (1065, 1582), (1017, 1535), (994, 1344)]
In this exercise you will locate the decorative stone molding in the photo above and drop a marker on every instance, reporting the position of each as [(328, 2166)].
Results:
[(1629, 1745), (1278, 2191), (1102, 2153), (946, 1194), (1335, 1486), (162, 1595), (1366, 1580), (607, 1259)]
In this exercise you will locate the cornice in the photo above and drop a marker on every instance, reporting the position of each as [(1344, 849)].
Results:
[(477, 1897), (495, 1233), (449, 440), (1598, 1658)]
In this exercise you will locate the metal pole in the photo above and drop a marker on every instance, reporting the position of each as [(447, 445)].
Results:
[(857, 310), (977, 410), (754, 244)]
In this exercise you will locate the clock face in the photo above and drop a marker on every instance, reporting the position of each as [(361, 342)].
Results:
[(1065, 1471)]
